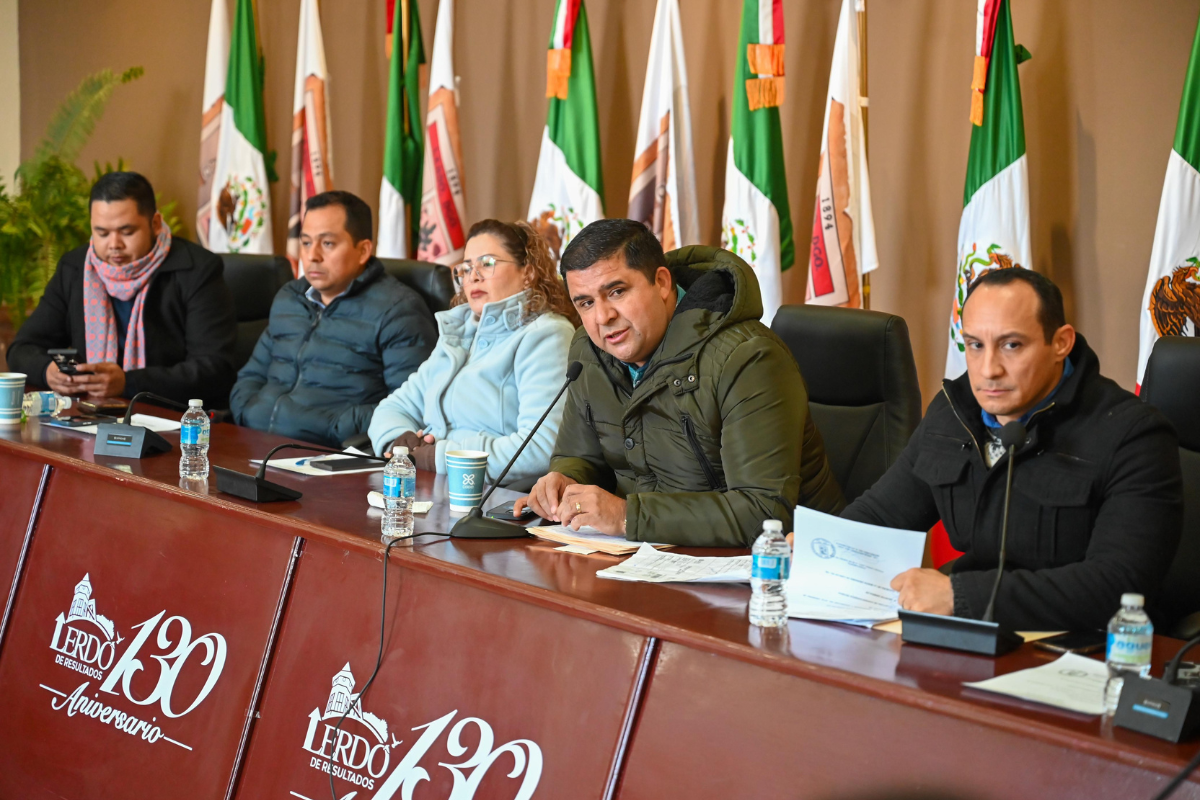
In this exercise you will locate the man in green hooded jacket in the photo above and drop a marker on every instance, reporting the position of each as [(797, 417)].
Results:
[(689, 424)]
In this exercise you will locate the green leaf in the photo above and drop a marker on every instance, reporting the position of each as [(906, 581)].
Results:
[(1023, 54), (77, 115)]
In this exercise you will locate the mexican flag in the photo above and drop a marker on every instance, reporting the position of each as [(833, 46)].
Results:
[(216, 66), (312, 161), (443, 198), (994, 230), (663, 192), (568, 190), (843, 235), (240, 219), (756, 222), (1171, 302), (402, 146)]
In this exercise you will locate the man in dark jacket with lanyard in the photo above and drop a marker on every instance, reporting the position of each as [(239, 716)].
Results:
[(339, 339), (689, 424), (158, 318), (1097, 501)]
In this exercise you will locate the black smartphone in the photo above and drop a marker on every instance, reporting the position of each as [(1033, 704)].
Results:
[(344, 464), (65, 358), (1081, 642), (504, 511)]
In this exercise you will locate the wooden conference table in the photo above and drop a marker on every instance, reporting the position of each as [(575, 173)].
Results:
[(168, 641)]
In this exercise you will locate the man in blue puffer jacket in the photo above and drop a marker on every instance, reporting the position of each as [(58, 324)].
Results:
[(340, 338)]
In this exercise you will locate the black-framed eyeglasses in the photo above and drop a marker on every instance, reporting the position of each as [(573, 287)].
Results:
[(486, 265)]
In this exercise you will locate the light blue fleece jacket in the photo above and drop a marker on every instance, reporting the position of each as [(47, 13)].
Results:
[(485, 385)]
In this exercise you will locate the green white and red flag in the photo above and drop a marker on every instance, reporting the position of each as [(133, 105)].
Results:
[(568, 190), (312, 158), (756, 223), (662, 194), (240, 208), (443, 197), (994, 230), (1171, 302), (843, 236), (403, 146), (216, 68)]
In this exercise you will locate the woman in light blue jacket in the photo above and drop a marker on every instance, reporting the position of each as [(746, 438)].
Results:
[(500, 358)]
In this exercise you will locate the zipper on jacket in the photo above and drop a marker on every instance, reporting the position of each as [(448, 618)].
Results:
[(710, 474), (587, 413), (299, 352), (962, 422)]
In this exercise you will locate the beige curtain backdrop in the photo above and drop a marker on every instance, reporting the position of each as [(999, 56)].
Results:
[(1101, 97)]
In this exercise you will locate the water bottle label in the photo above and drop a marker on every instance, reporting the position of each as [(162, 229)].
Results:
[(770, 568), (204, 433), (410, 486), (391, 486), (1128, 649), (189, 433)]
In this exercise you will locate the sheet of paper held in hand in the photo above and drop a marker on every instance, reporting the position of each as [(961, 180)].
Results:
[(587, 538), (842, 570), (1073, 682), (652, 566)]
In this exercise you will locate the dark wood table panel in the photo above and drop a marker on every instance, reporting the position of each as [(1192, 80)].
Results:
[(713, 727), (19, 481), (134, 609), (545, 695)]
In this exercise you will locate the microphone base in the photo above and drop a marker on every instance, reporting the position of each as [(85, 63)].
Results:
[(128, 441), (477, 526), (252, 487), (957, 633)]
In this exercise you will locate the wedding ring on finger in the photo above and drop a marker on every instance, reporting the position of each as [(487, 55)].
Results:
[(578, 508)]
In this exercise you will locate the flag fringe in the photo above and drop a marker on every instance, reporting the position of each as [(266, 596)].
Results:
[(558, 72), (764, 92), (765, 59)]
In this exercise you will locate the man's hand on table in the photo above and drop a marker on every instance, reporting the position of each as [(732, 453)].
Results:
[(592, 506), (94, 380), (545, 496), (925, 590)]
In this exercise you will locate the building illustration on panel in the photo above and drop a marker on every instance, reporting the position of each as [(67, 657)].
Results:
[(83, 607), (342, 697)]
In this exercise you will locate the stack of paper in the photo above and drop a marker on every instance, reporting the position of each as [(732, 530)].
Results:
[(1073, 682), (842, 570), (649, 565), (375, 500), (587, 538)]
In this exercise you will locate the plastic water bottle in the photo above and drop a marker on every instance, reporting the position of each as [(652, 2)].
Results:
[(45, 404), (193, 441), (399, 489), (1130, 639), (770, 565)]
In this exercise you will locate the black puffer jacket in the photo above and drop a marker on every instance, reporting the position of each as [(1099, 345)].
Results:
[(316, 374), (1097, 504)]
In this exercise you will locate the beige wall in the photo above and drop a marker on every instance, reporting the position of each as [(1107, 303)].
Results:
[(10, 93), (1101, 97)]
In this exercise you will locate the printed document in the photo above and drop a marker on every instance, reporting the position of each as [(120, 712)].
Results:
[(1073, 682), (652, 566), (587, 538), (842, 570)]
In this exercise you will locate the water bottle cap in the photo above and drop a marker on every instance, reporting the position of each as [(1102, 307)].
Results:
[(773, 525), (70, 401), (399, 451), (195, 403), (1132, 599)]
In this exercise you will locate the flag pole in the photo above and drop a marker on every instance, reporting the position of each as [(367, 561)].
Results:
[(864, 106)]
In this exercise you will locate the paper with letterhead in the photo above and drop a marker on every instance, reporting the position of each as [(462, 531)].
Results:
[(653, 566), (842, 570), (1073, 682)]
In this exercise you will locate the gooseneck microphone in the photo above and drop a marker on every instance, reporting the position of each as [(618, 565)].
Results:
[(1012, 436), (257, 488), (125, 440), (475, 525)]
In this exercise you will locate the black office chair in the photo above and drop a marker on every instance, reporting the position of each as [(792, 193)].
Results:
[(1172, 385), (433, 282), (254, 281), (862, 386)]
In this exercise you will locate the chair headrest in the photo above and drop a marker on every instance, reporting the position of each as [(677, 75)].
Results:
[(433, 282), (1172, 385), (848, 357), (254, 281)]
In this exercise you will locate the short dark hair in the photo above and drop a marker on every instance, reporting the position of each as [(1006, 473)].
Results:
[(604, 238), (1050, 299), (115, 186), (358, 213)]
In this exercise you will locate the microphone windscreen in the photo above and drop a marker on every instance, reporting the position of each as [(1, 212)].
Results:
[(575, 368), (1012, 434)]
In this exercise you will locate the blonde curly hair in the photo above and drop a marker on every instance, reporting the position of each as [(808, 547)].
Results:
[(531, 252)]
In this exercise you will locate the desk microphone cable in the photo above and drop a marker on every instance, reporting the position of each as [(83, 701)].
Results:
[(379, 658)]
